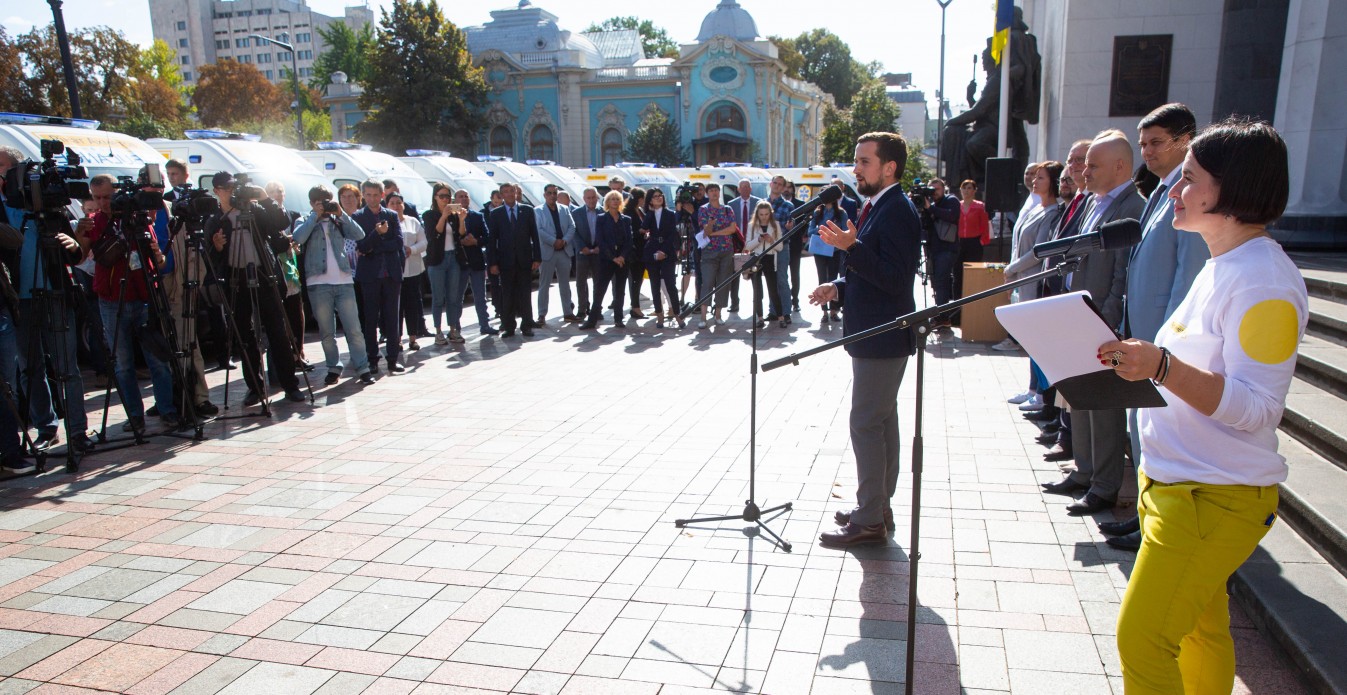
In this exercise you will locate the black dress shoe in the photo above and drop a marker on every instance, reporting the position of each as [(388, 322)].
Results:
[(844, 518), (1120, 528), (1131, 541), (1047, 438), (619, 324), (852, 534), (46, 440), (366, 379), (1058, 453), (1065, 486), (396, 368), (251, 398), (527, 332), (207, 409), (1052, 428), (1044, 415), (587, 326), (1089, 504), (507, 333), (294, 396), (331, 378)]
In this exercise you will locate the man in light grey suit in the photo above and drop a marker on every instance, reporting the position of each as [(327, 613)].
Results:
[(743, 208), (556, 238), (586, 246), (1165, 263), (1097, 435)]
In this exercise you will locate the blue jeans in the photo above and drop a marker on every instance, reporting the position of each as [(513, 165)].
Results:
[(9, 419), (330, 302), (42, 414), (782, 307), (478, 280), (940, 259), (133, 315), (444, 279)]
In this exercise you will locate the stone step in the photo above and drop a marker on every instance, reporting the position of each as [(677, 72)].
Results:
[(1318, 419), (1325, 285), (1312, 501), (1328, 320), (1324, 364), (1295, 596)]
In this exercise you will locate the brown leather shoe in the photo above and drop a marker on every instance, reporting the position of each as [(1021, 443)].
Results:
[(851, 534), (844, 518)]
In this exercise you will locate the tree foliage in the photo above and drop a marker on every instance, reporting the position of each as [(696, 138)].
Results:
[(655, 41), (118, 83), (825, 59), (347, 51), (423, 90), (871, 110), (659, 140), (231, 92)]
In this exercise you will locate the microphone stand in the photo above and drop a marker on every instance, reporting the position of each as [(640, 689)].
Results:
[(752, 512), (920, 322)]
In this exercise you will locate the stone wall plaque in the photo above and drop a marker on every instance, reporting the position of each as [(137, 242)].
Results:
[(1140, 74)]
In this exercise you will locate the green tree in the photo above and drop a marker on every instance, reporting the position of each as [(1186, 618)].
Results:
[(422, 73), (658, 139), (655, 41), (788, 54), (281, 131), (347, 51), (827, 62), (871, 110)]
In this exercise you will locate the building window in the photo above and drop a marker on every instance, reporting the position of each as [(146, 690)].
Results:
[(245, 13), (264, 57), (182, 26), (264, 11), (306, 72), (182, 43), (306, 55), (269, 74), (186, 76), (540, 143), (221, 45), (725, 117), (224, 15), (241, 43), (186, 60), (501, 143), (245, 59), (283, 56), (610, 144), (303, 37)]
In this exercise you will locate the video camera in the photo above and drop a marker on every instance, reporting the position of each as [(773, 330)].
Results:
[(193, 206), (46, 186), (686, 193), (921, 194), (245, 192)]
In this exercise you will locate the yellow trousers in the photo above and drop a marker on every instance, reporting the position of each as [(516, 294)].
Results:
[(1174, 626)]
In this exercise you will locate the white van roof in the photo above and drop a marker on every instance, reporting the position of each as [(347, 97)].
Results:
[(101, 151)]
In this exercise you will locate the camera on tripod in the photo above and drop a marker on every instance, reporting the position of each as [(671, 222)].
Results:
[(47, 186), (192, 207), (921, 194), (245, 192)]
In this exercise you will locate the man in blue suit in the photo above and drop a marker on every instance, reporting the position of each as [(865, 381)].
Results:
[(586, 245), (1164, 264), (512, 254), (743, 208), (876, 287), (556, 241)]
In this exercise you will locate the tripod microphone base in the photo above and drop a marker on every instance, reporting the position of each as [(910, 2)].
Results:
[(751, 513)]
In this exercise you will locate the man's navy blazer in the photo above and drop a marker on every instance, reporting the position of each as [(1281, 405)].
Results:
[(881, 269), (512, 246)]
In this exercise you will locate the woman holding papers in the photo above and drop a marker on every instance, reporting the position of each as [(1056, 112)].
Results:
[(1209, 465)]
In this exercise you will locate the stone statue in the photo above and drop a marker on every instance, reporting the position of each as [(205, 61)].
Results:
[(970, 138)]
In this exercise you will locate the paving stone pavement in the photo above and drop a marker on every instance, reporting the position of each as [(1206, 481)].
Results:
[(500, 519)]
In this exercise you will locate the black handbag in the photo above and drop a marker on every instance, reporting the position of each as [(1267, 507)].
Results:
[(109, 250)]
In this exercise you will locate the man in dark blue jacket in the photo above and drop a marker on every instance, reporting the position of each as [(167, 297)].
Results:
[(512, 254), (876, 287), (379, 275)]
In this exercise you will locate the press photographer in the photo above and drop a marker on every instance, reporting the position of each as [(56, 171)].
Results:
[(185, 273), (126, 252), (940, 226), (247, 234), (35, 196)]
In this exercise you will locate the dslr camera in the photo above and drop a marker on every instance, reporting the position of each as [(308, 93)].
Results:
[(47, 186), (331, 207)]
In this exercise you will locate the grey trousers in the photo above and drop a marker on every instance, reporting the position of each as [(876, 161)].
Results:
[(586, 274), (1097, 442), (560, 266), (874, 434)]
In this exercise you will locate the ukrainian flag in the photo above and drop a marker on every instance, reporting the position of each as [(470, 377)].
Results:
[(1005, 16)]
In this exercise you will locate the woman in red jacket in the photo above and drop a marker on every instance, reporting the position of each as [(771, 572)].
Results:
[(975, 231)]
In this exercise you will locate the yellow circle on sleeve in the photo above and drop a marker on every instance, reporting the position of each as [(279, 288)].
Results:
[(1269, 331)]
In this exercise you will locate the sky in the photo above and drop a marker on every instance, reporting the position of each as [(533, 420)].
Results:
[(904, 35)]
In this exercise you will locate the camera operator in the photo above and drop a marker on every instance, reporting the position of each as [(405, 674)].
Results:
[(33, 351), (123, 303), (940, 221), (252, 274), (11, 445), (182, 261)]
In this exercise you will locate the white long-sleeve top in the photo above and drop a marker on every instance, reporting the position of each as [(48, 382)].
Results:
[(414, 238)]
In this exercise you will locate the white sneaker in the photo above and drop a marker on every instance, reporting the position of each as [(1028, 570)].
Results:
[(701, 324), (717, 321), (1035, 402), (440, 339), (1006, 345), (1021, 397)]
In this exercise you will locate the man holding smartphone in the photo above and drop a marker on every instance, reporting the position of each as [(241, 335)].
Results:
[(331, 282)]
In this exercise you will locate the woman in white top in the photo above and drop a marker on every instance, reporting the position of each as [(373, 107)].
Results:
[(762, 233), (1209, 466), (413, 244)]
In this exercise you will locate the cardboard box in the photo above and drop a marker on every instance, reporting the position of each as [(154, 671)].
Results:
[(979, 318)]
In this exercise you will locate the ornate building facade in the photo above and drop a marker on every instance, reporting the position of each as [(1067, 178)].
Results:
[(573, 98)]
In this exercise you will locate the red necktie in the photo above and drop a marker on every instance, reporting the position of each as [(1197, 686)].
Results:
[(865, 211)]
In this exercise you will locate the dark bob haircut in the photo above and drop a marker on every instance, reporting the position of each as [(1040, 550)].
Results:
[(1054, 171), (1248, 161)]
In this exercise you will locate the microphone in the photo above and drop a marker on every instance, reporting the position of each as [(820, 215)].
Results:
[(831, 194), (1118, 234)]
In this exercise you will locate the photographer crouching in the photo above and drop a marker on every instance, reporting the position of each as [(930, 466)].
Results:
[(247, 220)]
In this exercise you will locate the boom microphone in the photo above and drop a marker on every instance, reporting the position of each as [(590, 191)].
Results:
[(1118, 234), (831, 194)]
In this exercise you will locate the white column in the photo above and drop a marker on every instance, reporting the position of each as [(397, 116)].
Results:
[(1310, 107)]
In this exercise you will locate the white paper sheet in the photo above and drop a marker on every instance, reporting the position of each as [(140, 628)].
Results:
[(1061, 333)]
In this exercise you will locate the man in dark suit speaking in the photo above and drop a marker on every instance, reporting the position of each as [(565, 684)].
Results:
[(876, 287), (512, 252)]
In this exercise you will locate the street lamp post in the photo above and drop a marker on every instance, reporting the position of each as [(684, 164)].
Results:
[(940, 100), (294, 76), (58, 18)]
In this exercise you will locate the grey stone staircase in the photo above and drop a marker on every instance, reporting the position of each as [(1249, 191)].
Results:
[(1295, 585)]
